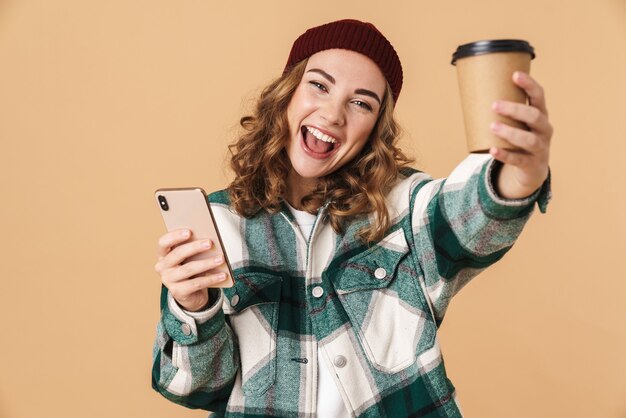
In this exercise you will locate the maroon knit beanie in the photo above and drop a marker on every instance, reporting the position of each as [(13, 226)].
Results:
[(356, 36)]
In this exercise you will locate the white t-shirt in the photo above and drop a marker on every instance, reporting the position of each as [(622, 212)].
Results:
[(329, 401)]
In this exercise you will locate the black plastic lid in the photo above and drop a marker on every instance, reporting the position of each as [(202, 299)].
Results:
[(497, 45)]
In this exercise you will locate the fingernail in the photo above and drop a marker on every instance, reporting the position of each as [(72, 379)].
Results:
[(494, 126), (517, 75), (218, 258), (206, 244), (495, 105), (185, 233), (219, 277)]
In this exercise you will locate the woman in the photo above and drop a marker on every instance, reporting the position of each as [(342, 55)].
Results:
[(345, 259)]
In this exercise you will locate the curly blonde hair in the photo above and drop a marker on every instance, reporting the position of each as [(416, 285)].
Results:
[(261, 165)]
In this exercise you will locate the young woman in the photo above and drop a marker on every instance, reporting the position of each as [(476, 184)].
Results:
[(345, 259)]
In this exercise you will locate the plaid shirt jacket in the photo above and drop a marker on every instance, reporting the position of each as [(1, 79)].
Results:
[(372, 310)]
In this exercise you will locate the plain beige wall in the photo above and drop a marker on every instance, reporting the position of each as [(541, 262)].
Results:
[(103, 102)]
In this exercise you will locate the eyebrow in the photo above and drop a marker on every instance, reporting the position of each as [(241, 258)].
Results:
[(330, 78)]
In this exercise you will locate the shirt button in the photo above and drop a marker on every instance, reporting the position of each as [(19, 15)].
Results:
[(380, 273), (186, 329), (317, 291), (234, 300), (340, 361)]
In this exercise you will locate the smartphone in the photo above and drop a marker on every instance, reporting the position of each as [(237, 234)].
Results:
[(189, 208)]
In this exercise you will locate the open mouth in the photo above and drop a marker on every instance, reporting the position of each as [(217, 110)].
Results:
[(317, 143)]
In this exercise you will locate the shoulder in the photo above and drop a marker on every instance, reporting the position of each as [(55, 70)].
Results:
[(407, 181), (398, 198), (220, 197), (222, 205), (411, 177), (407, 172)]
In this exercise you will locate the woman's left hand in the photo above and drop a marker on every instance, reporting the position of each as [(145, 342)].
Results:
[(524, 171)]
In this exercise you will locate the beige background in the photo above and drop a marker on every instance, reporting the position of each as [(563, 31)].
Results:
[(103, 102)]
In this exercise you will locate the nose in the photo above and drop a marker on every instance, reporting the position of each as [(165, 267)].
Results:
[(333, 112)]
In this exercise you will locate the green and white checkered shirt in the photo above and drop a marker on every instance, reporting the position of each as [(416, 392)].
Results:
[(372, 310)]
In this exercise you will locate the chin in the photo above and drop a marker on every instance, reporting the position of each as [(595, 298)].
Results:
[(308, 173)]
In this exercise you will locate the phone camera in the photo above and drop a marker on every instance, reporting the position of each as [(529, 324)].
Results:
[(163, 203)]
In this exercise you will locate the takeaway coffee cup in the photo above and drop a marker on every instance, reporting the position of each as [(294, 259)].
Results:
[(485, 73)]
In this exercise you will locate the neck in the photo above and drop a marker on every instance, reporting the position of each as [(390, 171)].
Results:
[(297, 188)]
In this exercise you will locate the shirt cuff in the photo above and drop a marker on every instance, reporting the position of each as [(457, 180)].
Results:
[(216, 298), (190, 327), (498, 207)]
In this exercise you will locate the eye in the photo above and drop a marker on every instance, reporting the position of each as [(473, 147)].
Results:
[(318, 85), (363, 105)]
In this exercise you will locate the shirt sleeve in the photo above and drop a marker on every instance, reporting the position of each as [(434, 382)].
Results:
[(460, 226), (195, 360)]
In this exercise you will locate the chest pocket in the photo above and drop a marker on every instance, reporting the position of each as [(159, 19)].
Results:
[(251, 306), (379, 291)]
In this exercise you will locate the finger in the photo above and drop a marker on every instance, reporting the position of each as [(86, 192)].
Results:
[(170, 239), (533, 90), (529, 115), (192, 268), (521, 138), (179, 254), (184, 289), (509, 157)]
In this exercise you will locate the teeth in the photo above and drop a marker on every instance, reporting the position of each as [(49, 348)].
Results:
[(322, 137)]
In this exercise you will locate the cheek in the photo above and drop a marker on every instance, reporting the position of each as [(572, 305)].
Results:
[(299, 99), (294, 112), (361, 138), (365, 132), (359, 142)]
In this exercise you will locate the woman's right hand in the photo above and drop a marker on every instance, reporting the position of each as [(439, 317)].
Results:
[(191, 294)]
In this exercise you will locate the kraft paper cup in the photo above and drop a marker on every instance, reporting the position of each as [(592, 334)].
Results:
[(485, 73)]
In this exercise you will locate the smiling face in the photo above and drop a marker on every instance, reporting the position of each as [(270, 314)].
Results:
[(331, 114)]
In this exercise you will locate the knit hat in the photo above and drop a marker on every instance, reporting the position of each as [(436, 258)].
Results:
[(362, 37)]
